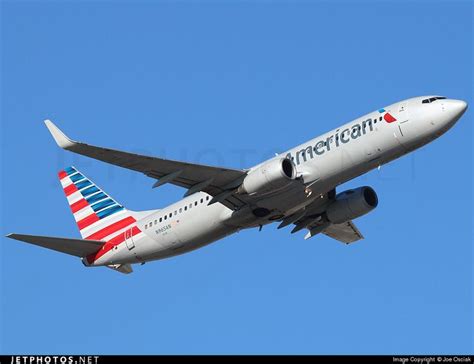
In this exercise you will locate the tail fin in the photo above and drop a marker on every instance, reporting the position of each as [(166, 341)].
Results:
[(98, 216)]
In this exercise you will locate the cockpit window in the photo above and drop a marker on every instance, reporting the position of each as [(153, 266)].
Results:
[(432, 99)]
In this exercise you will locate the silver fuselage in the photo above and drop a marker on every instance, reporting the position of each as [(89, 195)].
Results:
[(322, 164)]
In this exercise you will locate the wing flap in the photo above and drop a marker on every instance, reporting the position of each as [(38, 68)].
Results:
[(77, 247), (346, 232)]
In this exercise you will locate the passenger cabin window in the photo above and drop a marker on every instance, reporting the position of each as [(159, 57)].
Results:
[(161, 219), (202, 200), (195, 203), (185, 208)]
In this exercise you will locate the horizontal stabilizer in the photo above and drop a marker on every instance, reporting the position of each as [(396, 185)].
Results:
[(77, 247)]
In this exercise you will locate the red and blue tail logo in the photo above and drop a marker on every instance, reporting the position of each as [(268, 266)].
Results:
[(96, 213), (98, 216)]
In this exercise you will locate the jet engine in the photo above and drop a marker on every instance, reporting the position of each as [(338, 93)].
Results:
[(268, 177), (352, 204)]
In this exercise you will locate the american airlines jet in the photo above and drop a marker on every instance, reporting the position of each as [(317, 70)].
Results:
[(296, 187)]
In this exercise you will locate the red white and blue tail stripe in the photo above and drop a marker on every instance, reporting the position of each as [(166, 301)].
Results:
[(98, 216)]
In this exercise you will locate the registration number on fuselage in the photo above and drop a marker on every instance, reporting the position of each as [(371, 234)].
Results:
[(163, 229)]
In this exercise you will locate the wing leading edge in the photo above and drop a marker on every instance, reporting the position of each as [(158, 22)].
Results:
[(216, 181)]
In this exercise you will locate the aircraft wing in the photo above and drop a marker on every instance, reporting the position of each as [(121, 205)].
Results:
[(310, 218), (346, 232), (78, 247), (195, 177)]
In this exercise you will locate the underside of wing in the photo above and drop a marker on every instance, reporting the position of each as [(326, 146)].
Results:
[(77, 247), (346, 232), (312, 219), (194, 177)]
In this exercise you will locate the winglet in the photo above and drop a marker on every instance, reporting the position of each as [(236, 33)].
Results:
[(59, 137)]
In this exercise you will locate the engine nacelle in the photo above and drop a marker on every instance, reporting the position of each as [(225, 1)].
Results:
[(270, 176), (352, 204)]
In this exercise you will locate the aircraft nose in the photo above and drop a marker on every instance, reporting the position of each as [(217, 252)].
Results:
[(452, 110), (456, 107)]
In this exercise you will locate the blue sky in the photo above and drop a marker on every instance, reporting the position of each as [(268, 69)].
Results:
[(230, 84)]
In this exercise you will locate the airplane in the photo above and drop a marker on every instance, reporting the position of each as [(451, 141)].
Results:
[(297, 187)]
